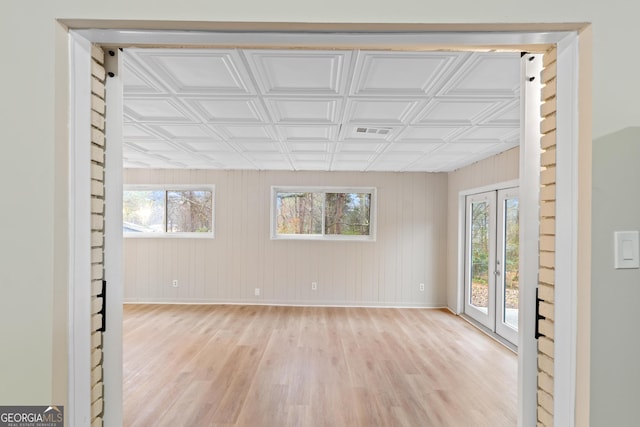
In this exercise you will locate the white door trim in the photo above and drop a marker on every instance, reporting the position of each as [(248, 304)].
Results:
[(79, 316), (566, 261), (529, 236), (79, 376)]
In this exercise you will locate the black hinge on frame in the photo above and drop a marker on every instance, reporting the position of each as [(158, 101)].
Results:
[(539, 317), (103, 310)]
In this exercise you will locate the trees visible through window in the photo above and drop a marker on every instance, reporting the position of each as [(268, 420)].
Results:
[(167, 211), (323, 213)]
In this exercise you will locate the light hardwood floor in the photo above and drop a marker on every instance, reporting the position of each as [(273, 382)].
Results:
[(266, 366)]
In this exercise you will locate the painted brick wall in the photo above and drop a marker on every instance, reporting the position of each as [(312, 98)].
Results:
[(547, 240), (97, 230)]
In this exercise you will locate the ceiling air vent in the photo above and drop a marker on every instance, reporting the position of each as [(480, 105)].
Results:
[(373, 131)]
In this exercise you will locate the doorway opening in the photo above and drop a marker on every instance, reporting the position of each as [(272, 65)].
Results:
[(527, 393), (492, 239)]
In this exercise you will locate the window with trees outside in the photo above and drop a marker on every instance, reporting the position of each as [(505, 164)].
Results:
[(323, 213), (159, 211)]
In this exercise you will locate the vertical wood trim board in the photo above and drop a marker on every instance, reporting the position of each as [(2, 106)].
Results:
[(97, 229), (546, 275), (410, 247)]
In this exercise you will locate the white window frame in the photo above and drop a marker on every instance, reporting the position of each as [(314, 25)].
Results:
[(166, 188), (315, 189)]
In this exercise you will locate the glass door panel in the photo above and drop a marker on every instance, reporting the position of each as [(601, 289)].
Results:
[(508, 264), (480, 258)]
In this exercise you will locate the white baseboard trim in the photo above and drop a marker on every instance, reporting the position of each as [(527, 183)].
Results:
[(288, 304)]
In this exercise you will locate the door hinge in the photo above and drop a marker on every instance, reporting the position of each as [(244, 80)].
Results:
[(103, 310), (539, 317)]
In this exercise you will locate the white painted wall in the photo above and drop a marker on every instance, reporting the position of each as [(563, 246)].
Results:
[(615, 347), (410, 247), (497, 169)]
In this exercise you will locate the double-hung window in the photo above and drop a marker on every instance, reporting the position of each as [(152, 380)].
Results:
[(167, 211), (323, 213)]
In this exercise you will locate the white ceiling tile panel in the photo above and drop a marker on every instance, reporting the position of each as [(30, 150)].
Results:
[(133, 154), (317, 109), (361, 147), (422, 147), (307, 111), (287, 72), (465, 147), (198, 71), (135, 131), (207, 146), (250, 133), (310, 157), (300, 147), (491, 73), (508, 114), (177, 155), (423, 133), (138, 81), (259, 146), (155, 110), (486, 74), (266, 156), (229, 110), (154, 146), (353, 156), (308, 133), (400, 73), (395, 157), (186, 131), (489, 133), (454, 112), (392, 112)]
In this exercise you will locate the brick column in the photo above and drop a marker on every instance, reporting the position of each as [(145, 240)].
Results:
[(97, 230), (546, 275)]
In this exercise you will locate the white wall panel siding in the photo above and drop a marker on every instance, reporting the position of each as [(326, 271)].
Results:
[(500, 168), (410, 246)]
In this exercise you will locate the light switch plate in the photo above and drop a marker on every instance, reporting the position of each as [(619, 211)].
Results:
[(627, 249)]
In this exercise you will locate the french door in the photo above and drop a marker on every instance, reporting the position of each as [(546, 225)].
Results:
[(492, 261)]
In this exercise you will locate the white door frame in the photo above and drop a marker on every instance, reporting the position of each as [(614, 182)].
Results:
[(492, 320), (567, 123), (485, 319)]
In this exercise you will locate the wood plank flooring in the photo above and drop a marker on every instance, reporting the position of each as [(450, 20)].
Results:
[(266, 366)]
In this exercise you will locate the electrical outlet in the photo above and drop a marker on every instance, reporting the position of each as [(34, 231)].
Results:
[(421, 287), (175, 283), (257, 292), (314, 286)]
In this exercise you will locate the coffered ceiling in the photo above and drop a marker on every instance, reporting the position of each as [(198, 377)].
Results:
[(329, 110)]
